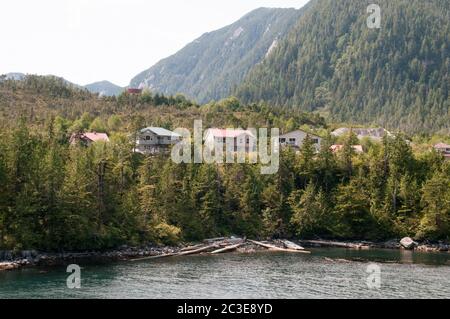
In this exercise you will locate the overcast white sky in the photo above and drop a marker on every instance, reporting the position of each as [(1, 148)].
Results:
[(92, 40)]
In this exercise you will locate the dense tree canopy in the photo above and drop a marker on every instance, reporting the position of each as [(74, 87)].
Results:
[(54, 195), (396, 76)]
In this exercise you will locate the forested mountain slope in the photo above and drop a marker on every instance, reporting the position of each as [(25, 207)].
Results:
[(104, 88), (396, 76), (209, 67)]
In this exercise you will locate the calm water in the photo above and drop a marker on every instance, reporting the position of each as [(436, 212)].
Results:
[(262, 275)]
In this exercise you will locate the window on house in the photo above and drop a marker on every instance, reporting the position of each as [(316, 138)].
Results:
[(316, 141), (292, 140), (282, 140), (147, 138)]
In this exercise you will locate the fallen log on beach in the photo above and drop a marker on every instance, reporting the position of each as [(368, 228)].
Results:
[(192, 248), (154, 257), (324, 243), (227, 249), (223, 245), (181, 253), (275, 248), (8, 266), (197, 251), (290, 245)]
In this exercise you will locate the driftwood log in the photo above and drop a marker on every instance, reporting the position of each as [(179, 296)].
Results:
[(275, 248), (192, 248), (290, 245), (197, 251), (324, 243), (223, 245), (227, 249), (154, 257), (181, 253)]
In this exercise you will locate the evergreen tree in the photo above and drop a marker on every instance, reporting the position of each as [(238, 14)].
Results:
[(306, 164), (309, 212), (249, 218), (352, 212), (435, 223), (207, 192)]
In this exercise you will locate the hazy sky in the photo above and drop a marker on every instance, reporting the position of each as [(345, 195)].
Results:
[(91, 40)]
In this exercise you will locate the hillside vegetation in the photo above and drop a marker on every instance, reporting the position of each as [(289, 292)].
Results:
[(54, 196), (209, 67), (397, 76)]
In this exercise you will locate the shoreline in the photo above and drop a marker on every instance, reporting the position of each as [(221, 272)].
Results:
[(10, 260)]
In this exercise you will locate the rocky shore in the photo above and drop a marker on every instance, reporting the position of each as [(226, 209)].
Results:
[(405, 243), (14, 260), (10, 260)]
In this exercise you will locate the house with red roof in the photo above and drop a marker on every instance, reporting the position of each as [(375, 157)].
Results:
[(88, 138), (134, 91)]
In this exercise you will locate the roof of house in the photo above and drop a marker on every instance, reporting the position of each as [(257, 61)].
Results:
[(228, 133), (338, 148), (159, 131), (362, 132), (96, 137), (307, 133), (442, 146), (134, 90), (92, 136)]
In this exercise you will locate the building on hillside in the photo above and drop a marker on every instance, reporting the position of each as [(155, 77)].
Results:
[(155, 140), (237, 139), (295, 139), (444, 149), (375, 134), (88, 138), (134, 91), (338, 148)]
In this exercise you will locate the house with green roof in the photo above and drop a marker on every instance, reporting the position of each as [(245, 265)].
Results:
[(155, 140)]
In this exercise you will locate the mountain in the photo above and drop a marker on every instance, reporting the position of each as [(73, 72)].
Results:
[(14, 76), (104, 88), (212, 65), (397, 76)]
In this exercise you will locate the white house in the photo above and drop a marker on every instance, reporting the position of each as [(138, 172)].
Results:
[(236, 138), (295, 139), (154, 140), (444, 149)]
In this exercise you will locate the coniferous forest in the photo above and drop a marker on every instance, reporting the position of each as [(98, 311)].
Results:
[(396, 76), (55, 196)]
